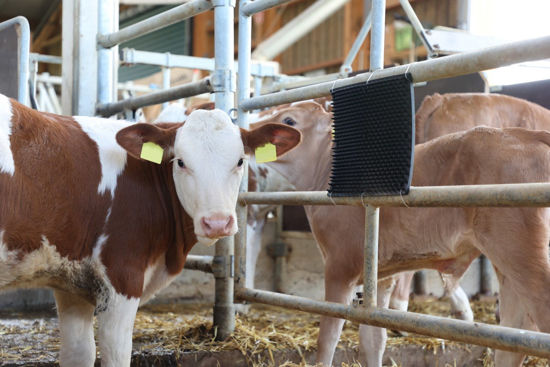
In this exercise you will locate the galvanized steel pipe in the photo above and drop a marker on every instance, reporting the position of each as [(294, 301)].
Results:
[(197, 262), (444, 67), (370, 272), (249, 8), (154, 23), (529, 342), (507, 195), (182, 91)]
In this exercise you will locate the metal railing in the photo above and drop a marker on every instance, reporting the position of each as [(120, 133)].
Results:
[(24, 38), (479, 195)]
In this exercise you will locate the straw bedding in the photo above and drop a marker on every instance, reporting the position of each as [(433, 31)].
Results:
[(258, 335)]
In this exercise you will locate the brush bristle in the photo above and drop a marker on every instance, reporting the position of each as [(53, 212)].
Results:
[(373, 138)]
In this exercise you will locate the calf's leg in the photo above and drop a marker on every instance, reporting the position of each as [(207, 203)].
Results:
[(339, 288), (76, 324), (372, 340), (115, 325)]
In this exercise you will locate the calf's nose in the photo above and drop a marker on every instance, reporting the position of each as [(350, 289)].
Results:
[(217, 225)]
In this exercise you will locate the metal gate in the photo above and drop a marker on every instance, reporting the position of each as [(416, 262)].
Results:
[(228, 269)]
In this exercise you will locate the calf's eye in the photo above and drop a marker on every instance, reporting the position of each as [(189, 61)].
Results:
[(289, 121), (240, 162), (181, 164)]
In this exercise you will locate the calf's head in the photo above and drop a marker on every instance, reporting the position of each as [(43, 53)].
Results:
[(207, 153), (310, 162)]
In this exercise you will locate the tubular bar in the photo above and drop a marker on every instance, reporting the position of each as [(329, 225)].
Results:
[(24, 50), (49, 59), (243, 91), (509, 195), (202, 263), (154, 23), (529, 342), (182, 91), (346, 65), (251, 7), (223, 85), (448, 66), (370, 272), (419, 29)]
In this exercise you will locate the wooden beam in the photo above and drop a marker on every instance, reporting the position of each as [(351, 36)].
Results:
[(51, 27)]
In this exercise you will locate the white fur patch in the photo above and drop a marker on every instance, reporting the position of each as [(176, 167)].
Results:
[(8, 260), (7, 164), (175, 112), (156, 278), (116, 324), (210, 146), (111, 155)]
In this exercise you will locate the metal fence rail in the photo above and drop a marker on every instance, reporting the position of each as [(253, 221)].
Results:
[(533, 194), (182, 91), (445, 67), (24, 45), (500, 337), (508, 195), (154, 23)]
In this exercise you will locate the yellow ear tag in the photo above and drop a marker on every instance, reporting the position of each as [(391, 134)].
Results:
[(152, 152), (266, 153)]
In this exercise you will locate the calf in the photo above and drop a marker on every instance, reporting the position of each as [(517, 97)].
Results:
[(514, 239), (444, 114), (82, 213), (439, 115), (260, 178)]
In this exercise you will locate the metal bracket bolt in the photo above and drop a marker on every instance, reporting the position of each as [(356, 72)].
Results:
[(223, 81)]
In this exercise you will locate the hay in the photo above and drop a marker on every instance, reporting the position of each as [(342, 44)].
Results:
[(259, 336)]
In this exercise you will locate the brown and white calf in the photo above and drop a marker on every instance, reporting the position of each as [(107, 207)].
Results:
[(448, 113), (260, 178), (444, 239), (83, 214)]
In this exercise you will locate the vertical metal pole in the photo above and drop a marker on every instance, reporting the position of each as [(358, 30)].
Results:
[(257, 86), (243, 92), (224, 88), (370, 280), (79, 55), (484, 275), (165, 81), (280, 254), (377, 34), (372, 214), (107, 66)]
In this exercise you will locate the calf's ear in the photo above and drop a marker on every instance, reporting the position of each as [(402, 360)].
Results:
[(282, 136), (133, 137)]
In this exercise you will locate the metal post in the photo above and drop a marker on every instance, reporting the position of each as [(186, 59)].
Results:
[(165, 81), (419, 283), (107, 57), (377, 35), (243, 92), (346, 66), (484, 275), (296, 28), (370, 272), (223, 83), (79, 55)]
